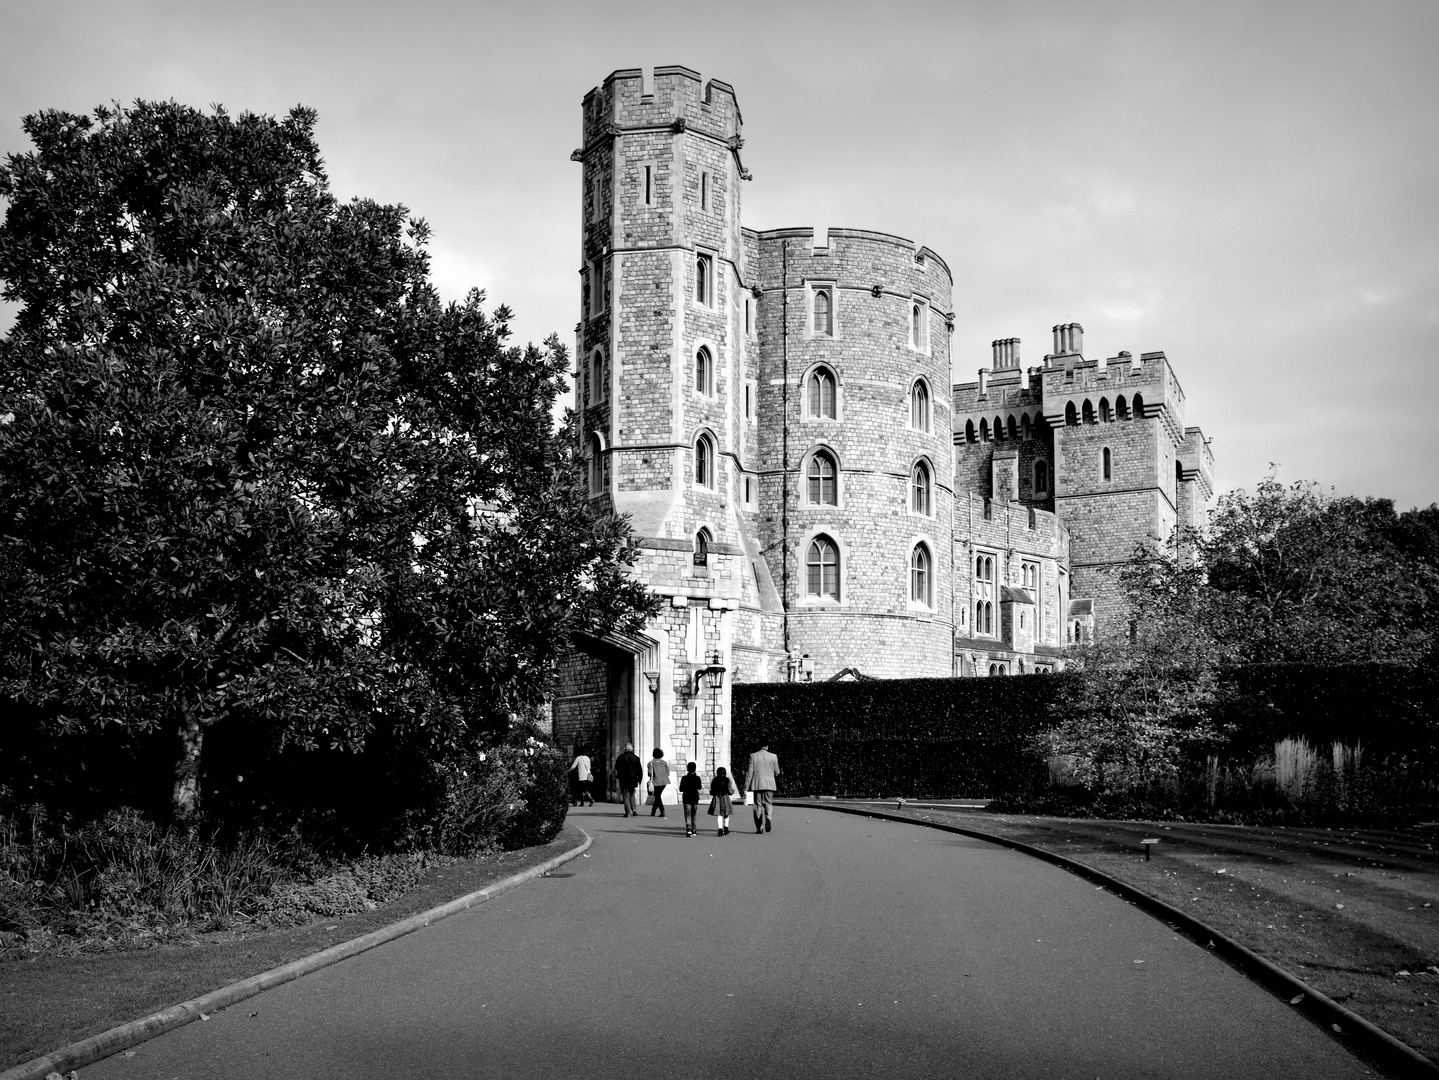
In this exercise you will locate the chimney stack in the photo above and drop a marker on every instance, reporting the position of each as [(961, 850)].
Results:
[(1068, 339)]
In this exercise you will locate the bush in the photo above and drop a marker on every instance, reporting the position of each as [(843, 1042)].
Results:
[(503, 798), (125, 881)]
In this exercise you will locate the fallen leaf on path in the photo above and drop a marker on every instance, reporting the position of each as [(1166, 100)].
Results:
[(1296, 999), (204, 1016)]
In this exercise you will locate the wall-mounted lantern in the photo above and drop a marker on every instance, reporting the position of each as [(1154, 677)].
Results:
[(712, 674)]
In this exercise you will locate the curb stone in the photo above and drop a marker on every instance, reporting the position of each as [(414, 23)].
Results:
[(1352, 1030), (88, 1051)]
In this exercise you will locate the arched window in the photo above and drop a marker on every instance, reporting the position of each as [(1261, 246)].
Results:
[(1106, 464), (1026, 430), (1088, 412), (919, 406), (596, 465), (704, 371), (823, 478), (1139, 406), (916, 325), (1013, 429), (920, 583), (919, 500), (984, 567), (998, 428), (822, 569), (823, 313), (704, 280), (1121, 407), (1041, 478), (984, 430), (821, 394), (1105, 416), (1178, 472), (702, 548), (1031, 575), (984, 617), (1071, 417), (600, 390), (704, 462), (969, 435)]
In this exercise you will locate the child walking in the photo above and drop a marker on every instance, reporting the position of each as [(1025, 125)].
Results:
[(690, 785), (721, 788)]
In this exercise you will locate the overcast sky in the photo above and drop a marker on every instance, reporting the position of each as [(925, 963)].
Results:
[(1251, 188)]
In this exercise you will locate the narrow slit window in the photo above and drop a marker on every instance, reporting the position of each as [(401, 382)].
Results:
[(704, 280), (649, 185), (823, 313), (704, 371)]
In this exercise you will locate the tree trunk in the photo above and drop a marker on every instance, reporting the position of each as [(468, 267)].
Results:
[(185, 801)]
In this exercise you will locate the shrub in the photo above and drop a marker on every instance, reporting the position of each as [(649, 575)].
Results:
[(505, 797)]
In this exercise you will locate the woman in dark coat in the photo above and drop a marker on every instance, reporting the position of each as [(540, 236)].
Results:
[(721, 789)]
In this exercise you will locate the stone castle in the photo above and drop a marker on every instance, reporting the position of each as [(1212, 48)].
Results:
[(812, 492)]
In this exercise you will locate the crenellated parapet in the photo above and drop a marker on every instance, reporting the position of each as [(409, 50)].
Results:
[(674, 99)]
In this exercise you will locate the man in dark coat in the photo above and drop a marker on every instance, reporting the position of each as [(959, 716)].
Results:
[(628, 772)]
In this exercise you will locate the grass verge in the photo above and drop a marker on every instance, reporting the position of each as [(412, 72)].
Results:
[(50, 1001), (1346, 910)]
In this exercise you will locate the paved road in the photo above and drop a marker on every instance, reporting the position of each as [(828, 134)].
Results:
[(833, 947)]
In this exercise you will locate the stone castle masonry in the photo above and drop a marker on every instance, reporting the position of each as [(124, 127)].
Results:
[(775, 412)]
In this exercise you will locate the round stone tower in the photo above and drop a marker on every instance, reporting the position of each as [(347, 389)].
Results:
[(856, 496)]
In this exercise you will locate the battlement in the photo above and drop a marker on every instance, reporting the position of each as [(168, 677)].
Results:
[(673, 98), (1011, 525), (922, 256), (1196, 461)]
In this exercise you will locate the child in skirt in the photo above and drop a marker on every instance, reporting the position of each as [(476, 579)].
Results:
[(690, 785), (721, 788)]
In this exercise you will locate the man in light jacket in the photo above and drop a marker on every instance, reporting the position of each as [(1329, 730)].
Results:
[(659, 770), (580, 771), (763, 779)]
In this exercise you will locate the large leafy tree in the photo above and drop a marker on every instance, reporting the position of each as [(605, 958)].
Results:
[(1294, 573), (251, 465)]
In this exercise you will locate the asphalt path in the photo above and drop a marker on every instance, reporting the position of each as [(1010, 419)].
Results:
[(833, 947)]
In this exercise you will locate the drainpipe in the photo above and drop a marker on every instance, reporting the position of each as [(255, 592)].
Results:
[(784, 413)]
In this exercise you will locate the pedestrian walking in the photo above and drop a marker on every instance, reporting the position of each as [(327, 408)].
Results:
[(628, 772), (690, 785), (659, 771), (762, 781), (581, 780), (722, 789)]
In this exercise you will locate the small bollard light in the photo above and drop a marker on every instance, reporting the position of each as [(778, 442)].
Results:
[(1147, 845)]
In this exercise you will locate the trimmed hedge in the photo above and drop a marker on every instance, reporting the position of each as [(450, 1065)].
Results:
[(948, 738), (937, 738)]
